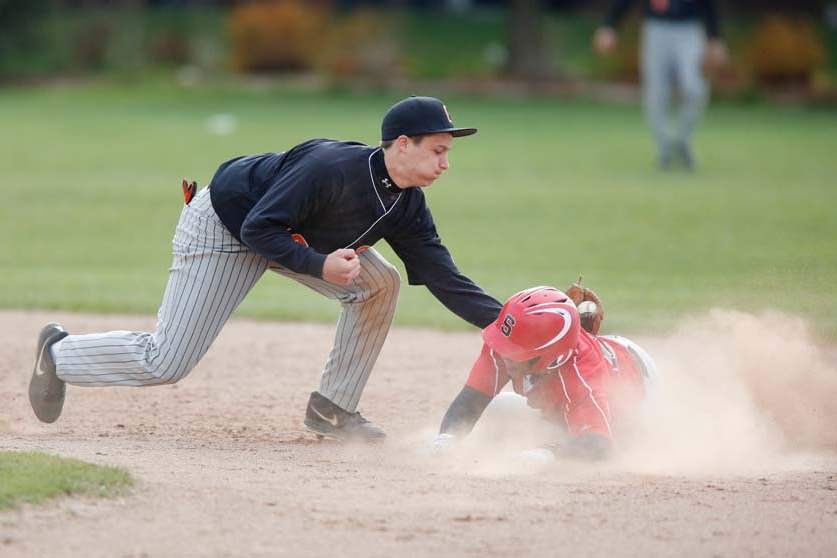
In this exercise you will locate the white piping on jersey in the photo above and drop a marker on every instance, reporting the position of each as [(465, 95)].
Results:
[(561, 360), (372, 176), (609, 354), (496, 370), (567, 397), (646, 362), (593, 399), (386, 211), (567, 323)]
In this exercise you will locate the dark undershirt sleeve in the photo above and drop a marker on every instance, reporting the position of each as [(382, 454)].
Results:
[(464, 412), (616, 12), (288, 202)]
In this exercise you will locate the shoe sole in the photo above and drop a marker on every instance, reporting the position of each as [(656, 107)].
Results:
[(323, 436), (321, 433), (332, 435)]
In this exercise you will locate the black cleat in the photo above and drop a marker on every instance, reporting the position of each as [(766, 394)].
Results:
[(46, 391), (327, 420)]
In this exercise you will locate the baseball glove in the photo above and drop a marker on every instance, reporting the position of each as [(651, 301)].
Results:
[(589, 305)]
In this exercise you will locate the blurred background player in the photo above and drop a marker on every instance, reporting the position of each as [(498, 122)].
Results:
[(674, 48), (554, 358)]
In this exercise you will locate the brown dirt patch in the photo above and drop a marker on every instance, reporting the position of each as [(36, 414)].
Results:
[(226, 469)]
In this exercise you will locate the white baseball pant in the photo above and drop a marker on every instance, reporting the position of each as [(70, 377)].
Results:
[(211, 274)]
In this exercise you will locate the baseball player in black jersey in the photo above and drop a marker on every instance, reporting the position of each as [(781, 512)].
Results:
[(311, 213)]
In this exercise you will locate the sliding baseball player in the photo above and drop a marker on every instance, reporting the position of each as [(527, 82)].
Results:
[(552, 355)]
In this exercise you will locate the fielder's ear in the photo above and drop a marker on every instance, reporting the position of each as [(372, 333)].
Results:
[(401, 142)]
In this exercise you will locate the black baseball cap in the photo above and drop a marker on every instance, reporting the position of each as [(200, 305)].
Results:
[(415, 116)]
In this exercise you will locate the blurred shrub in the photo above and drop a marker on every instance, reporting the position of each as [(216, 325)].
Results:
[(785, 51), (169, 47), (188, 36), (19, 32), (169, 35), (277, 35), (470, 45), (44, 38), (91, 44), (359, 44)]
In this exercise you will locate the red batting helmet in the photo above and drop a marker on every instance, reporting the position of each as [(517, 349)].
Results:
[(541, 322)]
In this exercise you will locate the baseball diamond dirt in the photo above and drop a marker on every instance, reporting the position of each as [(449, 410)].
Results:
[(741, 459)]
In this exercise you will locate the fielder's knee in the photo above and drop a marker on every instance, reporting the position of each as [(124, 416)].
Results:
[(159, 375), (387, 283), (392, 279)]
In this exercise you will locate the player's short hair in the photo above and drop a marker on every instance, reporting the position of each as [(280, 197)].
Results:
[(386, 144)]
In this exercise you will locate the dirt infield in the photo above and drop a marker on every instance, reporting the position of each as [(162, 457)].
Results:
[(735, 466)]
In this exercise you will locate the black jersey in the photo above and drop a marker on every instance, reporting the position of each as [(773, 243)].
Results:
[(338, 194), (670, 10)]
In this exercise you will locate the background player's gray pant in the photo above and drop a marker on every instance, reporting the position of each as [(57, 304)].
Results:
[(210, 275), (673, 52)]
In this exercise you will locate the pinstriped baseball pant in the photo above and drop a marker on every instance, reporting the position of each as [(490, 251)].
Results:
[(210, 275)]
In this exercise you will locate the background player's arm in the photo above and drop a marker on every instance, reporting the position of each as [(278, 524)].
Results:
[(605, 38), (710, 19), (616, 12), (716, 49)]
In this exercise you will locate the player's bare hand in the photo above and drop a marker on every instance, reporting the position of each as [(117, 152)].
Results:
[(716, 54), (341, 267), (605, 39)]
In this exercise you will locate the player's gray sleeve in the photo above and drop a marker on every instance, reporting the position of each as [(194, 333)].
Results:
[(464, 412)]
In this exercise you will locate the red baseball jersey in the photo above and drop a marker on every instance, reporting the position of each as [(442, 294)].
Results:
[(602, 381)]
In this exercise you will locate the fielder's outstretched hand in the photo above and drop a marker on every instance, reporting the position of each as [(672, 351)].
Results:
[(341, 266)]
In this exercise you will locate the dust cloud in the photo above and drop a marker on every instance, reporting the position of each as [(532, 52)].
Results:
[(738, 393)]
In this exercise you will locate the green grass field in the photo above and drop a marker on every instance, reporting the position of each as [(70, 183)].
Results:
[(32, 477), (548, 189)]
